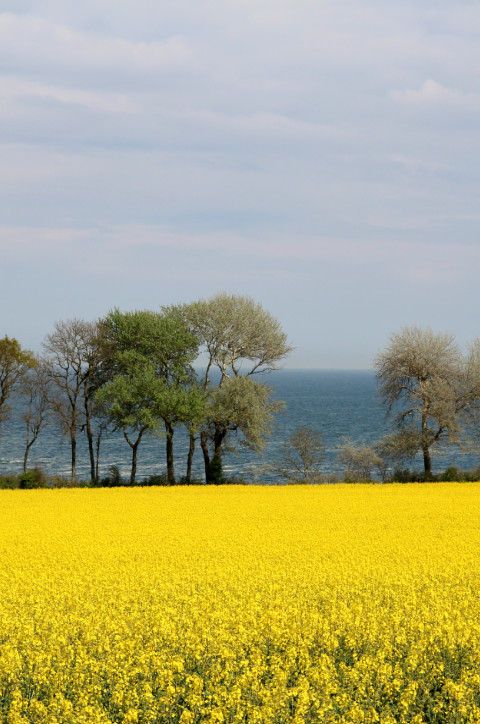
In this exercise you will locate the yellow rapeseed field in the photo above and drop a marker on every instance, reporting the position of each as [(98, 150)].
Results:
[(338, 603)]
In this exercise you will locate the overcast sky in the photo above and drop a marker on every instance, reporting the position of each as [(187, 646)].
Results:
[(320, 156)]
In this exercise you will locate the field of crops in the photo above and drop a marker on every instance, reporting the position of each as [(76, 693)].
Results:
[(241, 604)]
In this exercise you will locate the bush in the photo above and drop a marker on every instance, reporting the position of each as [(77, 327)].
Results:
[(113, 479), (159, 479), (60, 481), (32, 479), (450, 475), (193, 481), (215, 472), (9, 482)]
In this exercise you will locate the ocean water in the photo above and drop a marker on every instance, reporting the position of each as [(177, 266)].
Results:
[(338, 403)]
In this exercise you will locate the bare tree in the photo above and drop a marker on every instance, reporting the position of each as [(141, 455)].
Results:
[(34, 413), (360, 460), (72, 355), (422, 378), (301, 457)]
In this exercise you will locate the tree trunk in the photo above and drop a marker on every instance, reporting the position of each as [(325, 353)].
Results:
[(206, 454), (213, 466), (427, 463), (90, 439), (191, 450), (27, 450), (169, 446), (133, 470), (134, 446), (73, 440), (97, 461), (218, 438)]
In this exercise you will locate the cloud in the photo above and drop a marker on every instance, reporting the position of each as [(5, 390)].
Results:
[(13, 90), (31, 41), (415, 163), (435, 95)]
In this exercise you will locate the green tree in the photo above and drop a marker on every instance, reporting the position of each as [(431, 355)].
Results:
[(153, 382), (423, 379), (238, 339), (15, 362)]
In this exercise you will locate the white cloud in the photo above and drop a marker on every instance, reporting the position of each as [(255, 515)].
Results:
[(37, 43), (14, 89), (434, 95)]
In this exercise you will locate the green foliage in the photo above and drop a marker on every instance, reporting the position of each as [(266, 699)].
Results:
[(153, 382), (158, 479), (9, 482), (215, 471), (450, 474), (113, 479), (14, 364), (244, 405), (35, 478), (151, 356), (240, 339)]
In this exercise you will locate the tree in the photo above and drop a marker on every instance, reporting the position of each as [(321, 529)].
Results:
[(240, 404), (360, 460), (129, 401), (74, 355), (239, 339), (34, 413), (301, 457), (423, 379), (471, 413), (153, 381), (15, 362)]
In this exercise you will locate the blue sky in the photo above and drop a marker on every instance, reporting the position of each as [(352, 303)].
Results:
[(320, 156)]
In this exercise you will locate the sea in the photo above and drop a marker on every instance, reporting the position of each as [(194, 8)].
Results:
[(337, 403)]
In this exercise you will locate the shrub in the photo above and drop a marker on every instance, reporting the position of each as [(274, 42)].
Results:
[(9, 482), (159, 479), (215, 472), (113, 479), (450, 475), (35, 478)]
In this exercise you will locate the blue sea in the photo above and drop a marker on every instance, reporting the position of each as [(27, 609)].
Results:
[(337, 403)]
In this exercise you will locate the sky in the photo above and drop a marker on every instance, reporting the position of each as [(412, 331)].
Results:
[(320, 156)]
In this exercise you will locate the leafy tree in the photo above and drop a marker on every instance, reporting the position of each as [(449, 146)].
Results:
[(301, 457), (15, 362), (240, 404), (423, 378), (153, 382), (238, 338)]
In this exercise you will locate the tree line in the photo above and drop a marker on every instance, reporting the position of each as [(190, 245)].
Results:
[(134, 372)]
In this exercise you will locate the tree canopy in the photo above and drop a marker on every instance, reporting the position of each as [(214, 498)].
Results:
[(239, 339), (152, 380), (14, 363), (422, 381)]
